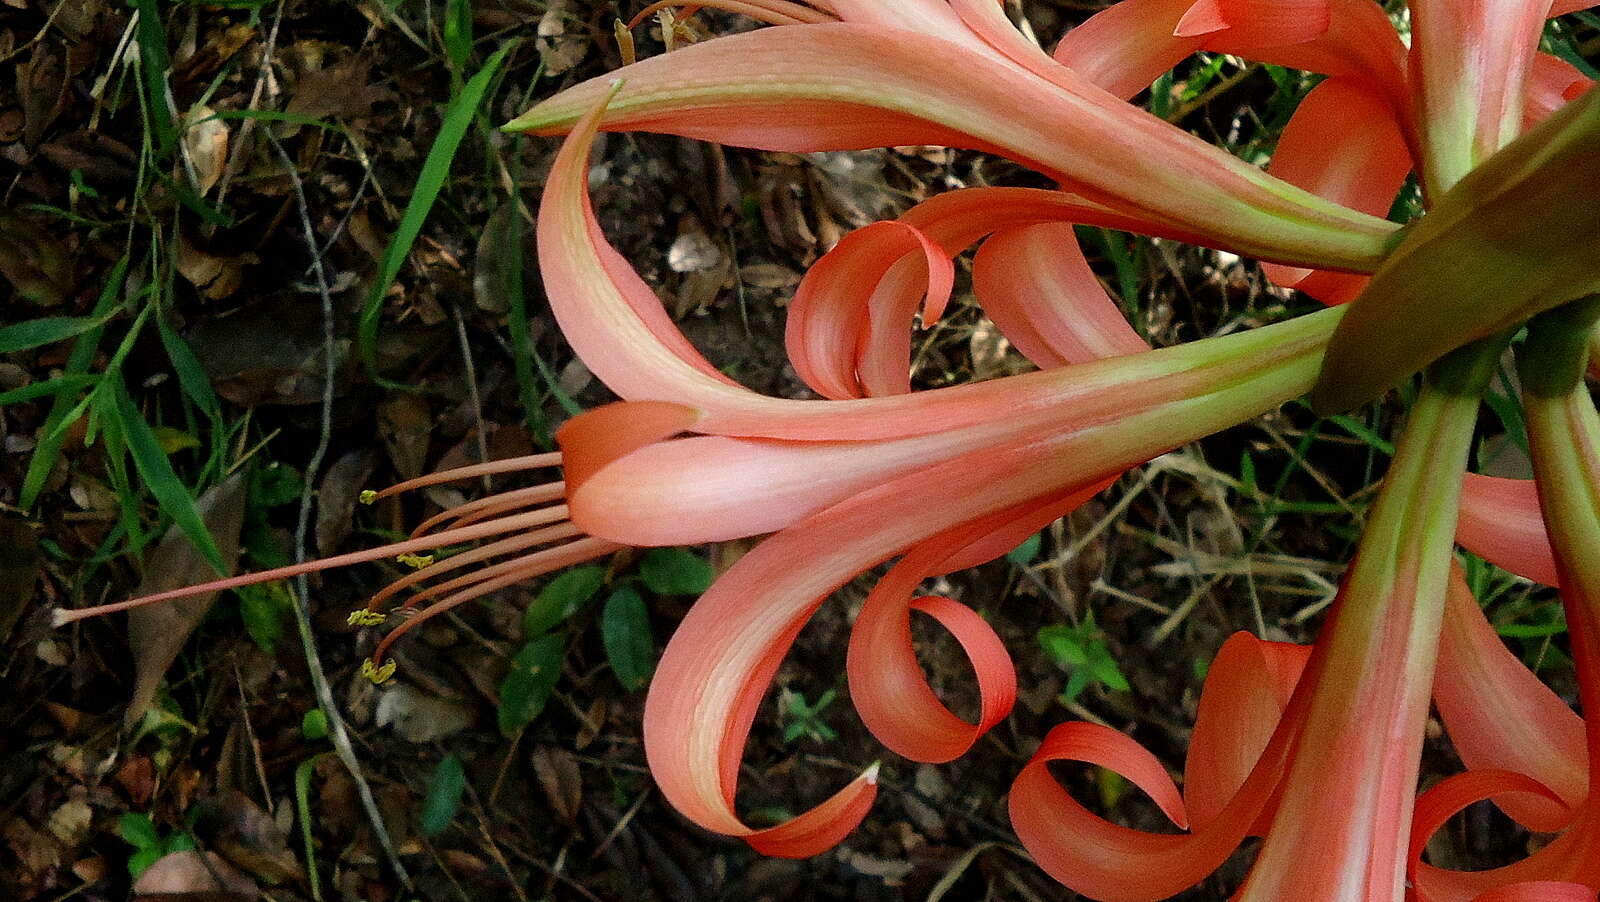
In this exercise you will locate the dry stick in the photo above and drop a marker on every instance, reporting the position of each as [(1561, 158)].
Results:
[(301, 595), (236, 152), (470, 374)]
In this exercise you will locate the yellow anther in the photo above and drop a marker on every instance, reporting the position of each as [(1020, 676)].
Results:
[(415, 561), (364, 617), (368, 496), (378, 674)]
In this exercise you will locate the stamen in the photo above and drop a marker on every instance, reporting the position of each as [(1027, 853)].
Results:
[(493, 505), (63, 616), (527, 568), (378, 673), (491, 468), (492, 550)]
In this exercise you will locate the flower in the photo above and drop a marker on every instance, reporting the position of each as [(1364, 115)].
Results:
[(1310, 749)]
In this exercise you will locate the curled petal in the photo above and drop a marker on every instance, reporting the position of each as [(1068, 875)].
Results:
[(1103, 860), (888, 686), (599, 307), (1566, 7), (1256, 22), (956, 219), (1247, 689), (1443, 801), (1501, 523), (1500, 716), (1036, 286), (1128, 45), (824, 826), (846, 87), (1343, 143), (593, 441), (1341, 38), (1022, 525), (848, 331), (720, 661)]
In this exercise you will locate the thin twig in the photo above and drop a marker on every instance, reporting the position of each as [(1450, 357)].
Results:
[(302, 607)]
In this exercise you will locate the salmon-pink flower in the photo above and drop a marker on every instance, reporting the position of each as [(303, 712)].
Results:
[(1311, 749)]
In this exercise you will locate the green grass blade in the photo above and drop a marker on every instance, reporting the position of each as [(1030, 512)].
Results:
[(47, 330), (151, 36), (191, 376), (46, 388), (53, 432), (156, 470), (435, 169)]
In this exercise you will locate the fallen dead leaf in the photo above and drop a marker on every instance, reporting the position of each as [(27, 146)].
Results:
[(33, 261), (205, 142), (19, 570), (250, 838), (419, 717), (558, 775), (181, 873), (337, 495), (215, 277), (156, 633)]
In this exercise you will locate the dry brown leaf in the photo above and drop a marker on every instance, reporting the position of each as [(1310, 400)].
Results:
[(337, 496), (558, 775), (33, 261), (156, 633), (215, 277), (19, 570), (205, 142), (251, 839), (419, 717), (340, 91), (181, 873)]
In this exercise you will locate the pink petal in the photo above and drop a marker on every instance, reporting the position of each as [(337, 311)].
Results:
[(1552, 84), (1246, 692), (1470, 65), (1538, 891), (887, 684), (1501, 522), (1342, 143), (1035, 285), (1500, 716), (845, 86), (849, 325), (1447, 798), (1128, 45), (1108, 862)]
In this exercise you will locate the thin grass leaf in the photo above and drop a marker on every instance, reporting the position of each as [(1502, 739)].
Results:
[(151, 36), (46, 388), (435, 169), (302, 805), (47, 330), (1359, 430), (53, 432), (156, 471), (458, 33), (191, 376)]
